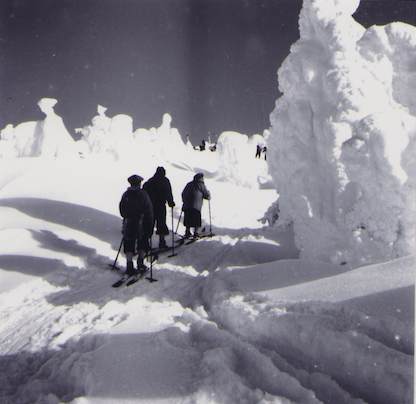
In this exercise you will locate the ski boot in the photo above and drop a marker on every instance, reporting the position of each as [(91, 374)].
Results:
[(140, 266), (130, 268), (162, 243)]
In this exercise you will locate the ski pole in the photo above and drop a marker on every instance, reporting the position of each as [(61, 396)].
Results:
[(114, 266), (173, 241), (151, 259), (151, 279), (179, 221), (210, 225)]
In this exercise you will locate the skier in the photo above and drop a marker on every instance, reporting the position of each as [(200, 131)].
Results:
[(160, 191), (258, 151), (137, 211), (264, 151), (192, 197), (202, 147)]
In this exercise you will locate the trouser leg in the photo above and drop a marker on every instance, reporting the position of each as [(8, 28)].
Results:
[(129, 266), (129, 248), (162, 241), (140, 259)]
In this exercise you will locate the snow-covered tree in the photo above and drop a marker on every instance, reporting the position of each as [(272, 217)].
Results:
[(343, 135), (48, 138)]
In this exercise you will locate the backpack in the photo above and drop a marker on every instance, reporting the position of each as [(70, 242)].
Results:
[(131, 205)]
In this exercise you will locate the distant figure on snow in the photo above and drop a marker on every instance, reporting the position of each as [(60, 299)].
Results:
[(137, 210), (258, 151), (202, 147), (160, 192), (264, 151), (192, 196)]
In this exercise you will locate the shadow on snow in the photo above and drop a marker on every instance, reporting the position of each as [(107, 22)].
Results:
[(104, 226)]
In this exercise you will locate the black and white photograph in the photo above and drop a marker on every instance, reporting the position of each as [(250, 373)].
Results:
[(207, 201)]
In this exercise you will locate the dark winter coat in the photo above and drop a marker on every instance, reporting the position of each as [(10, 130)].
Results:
[(193, 195), (137, 210), (159, 190)]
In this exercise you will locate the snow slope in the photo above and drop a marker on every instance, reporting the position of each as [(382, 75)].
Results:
[(236, 318)]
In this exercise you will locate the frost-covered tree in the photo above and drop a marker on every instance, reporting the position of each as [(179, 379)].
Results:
[(109, 137), (47, 139), (237, 162), (341, 148)]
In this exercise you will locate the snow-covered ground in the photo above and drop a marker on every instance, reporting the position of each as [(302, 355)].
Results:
[(236, 318), (317, 307)]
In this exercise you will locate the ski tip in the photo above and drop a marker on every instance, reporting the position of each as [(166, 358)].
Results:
[(192, 240), (117, 284)]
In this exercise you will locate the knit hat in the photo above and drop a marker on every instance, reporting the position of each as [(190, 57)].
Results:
[(135, 180), (199, 176), (160, 171)]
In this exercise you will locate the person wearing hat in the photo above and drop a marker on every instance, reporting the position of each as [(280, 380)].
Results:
[(160, 192), (137, 211), (192, 196)]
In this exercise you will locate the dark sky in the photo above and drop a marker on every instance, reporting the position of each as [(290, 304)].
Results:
[(211, 64)]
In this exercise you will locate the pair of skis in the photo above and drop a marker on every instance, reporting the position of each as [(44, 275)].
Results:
[(131, 279), (191, 241), (180, 242), (153, 254)]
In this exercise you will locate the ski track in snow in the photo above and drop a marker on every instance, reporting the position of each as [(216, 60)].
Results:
[(238, 345), (200, 334), (215, 328)]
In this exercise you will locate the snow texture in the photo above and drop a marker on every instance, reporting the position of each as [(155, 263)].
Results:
[(236, 318)]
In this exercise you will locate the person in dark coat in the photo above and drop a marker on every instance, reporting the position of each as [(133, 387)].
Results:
[(137, 211), (258, 151), (160, 192), (192, 196)]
